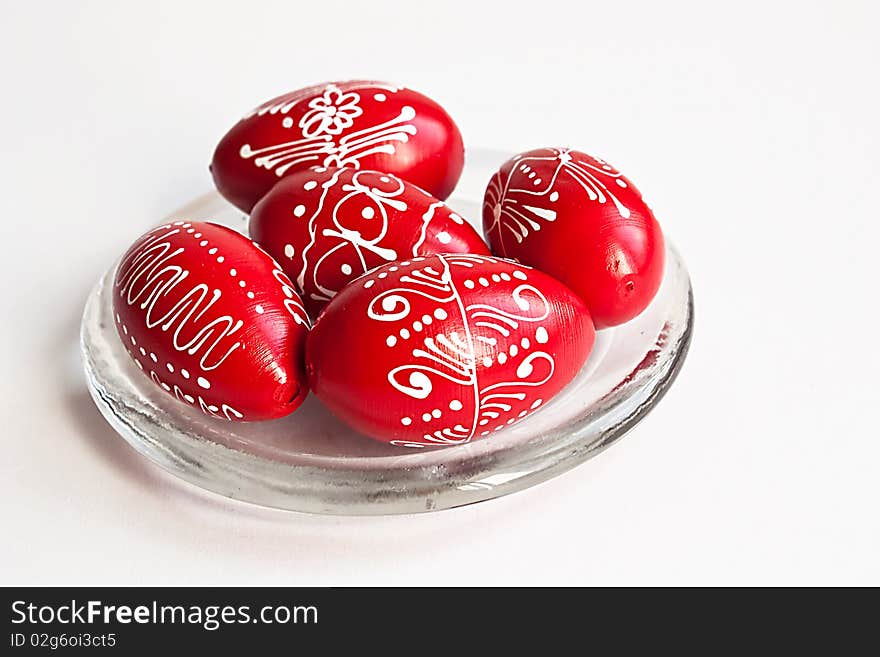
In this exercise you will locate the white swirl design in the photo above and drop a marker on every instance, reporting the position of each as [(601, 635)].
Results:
[(393, 305), (454, 357)]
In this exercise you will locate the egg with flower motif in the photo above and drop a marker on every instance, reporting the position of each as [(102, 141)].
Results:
[(577, 218), (442, 349), (357, 124), (213, 321), (327, 226)]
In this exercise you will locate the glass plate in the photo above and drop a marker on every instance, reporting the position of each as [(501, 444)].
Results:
[(309, 461)]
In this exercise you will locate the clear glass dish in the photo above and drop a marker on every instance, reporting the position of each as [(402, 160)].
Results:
[(311, 462)]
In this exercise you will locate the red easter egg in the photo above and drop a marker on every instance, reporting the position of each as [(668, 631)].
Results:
[(357, 124), (212, 320), (577, 218), (441, 349), (327, 226)]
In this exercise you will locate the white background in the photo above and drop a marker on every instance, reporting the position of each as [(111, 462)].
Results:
[(749, 126)]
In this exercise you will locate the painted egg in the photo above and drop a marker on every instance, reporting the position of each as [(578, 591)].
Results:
[(577, 218), (442, 349), (327, 226), (357, 124), (212, 320)]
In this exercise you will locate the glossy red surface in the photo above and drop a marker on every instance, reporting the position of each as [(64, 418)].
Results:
[(443, 349), (578, 219), (327, 226), (357, 124), (213, 321)]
